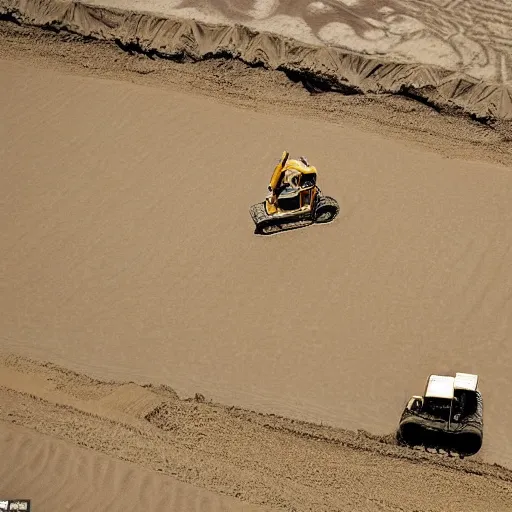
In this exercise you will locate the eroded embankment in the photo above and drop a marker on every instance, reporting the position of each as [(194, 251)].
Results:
[(319, 68), (259, 458)]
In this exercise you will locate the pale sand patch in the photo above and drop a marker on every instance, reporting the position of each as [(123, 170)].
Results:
[(472, 53), (349, 3), (263, 8), (375, 23), (373, 34), (341, 34), (386, 10), (319, 7), (428, 49), (403, 25), (287, 26), (203, 14)]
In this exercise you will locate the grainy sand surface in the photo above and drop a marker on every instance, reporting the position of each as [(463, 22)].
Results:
[(128, 253)]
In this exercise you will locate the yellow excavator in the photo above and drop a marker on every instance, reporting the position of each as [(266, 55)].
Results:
[(293, 200)]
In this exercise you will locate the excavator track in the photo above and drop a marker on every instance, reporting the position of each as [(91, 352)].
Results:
[(326, 209), (266, 225)]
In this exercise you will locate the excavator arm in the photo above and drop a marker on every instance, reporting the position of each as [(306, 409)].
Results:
[(276, 175)]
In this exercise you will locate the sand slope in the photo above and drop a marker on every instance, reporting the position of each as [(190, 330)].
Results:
[(486, 93), (266, 460)]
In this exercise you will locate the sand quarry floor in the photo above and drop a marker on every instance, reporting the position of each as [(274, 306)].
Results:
[(128, 257)]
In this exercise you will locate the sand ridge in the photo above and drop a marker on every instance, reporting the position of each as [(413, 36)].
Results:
[(322, 66), (262, 460)]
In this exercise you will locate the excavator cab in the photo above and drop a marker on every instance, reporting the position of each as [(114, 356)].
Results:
[(292, 186)]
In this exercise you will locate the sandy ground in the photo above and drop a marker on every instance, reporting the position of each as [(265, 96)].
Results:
[(129, 254)]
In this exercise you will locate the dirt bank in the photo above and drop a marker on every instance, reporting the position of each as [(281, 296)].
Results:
[(321, 67)]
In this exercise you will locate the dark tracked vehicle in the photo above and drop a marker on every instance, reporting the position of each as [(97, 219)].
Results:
[(449, 416)]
